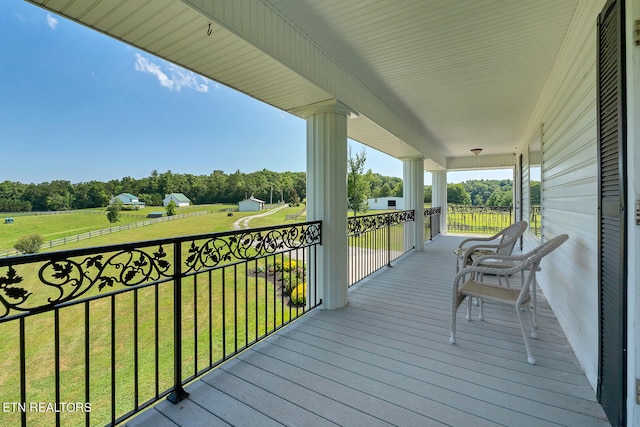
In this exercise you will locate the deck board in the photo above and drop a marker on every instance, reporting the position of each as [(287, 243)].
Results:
[(385, 359)]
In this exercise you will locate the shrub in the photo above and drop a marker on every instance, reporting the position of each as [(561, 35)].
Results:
[(113, 211), (289, 265), (171, 208), (29, 244), (299, 272), (299, 294), (290, 282)]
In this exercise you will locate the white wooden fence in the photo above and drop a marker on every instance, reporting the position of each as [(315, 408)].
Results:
[(105, 231)]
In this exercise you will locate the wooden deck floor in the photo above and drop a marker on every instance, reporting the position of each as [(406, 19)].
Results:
[(386, 360)]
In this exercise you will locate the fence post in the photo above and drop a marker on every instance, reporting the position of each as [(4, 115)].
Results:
[(431, 225), (178, 392), (388, 240)]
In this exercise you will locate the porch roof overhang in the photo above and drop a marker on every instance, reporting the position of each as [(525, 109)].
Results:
[(425, 78)]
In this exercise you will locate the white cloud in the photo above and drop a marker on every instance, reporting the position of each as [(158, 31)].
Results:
[(51, 21), (146, 66), (174, 78)]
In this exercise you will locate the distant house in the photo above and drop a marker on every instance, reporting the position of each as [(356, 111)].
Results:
[(386, 203), (250, 205), (178, 198), (128, 201)]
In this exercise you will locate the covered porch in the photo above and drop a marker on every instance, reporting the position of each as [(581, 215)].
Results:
[(386, 359), (427, 82)]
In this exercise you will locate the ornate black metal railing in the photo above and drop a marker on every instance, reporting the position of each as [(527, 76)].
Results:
[(375, 241), (478, 219), (108, 331), (431, 222), (535, 220)]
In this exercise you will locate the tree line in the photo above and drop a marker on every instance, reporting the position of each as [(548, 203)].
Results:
[(217, 187), (486, 192)]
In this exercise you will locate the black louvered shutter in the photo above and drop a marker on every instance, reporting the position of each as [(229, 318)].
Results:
[(521, 216), (612, 276)]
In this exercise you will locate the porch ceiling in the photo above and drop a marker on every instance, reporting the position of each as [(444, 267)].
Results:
[(445, 76)]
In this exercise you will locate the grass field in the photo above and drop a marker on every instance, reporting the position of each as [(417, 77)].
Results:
[(57, 226), (53, 227)]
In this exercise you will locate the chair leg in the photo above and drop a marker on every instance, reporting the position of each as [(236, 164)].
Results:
[(481, 304), (469, 308), (530, 357), (535, 308), (481, 279), (454, 309), (534, 333)]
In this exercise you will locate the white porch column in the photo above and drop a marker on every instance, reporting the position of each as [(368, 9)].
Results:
[(327, 196), (413, 192), (439, 196)]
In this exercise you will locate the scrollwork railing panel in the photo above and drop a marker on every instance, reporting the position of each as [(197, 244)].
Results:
[(432, 211), (35, 283), (249, 244), (365, 223), (33, 287)]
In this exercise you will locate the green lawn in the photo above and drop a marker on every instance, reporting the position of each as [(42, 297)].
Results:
[(277, 218), (53, 227)]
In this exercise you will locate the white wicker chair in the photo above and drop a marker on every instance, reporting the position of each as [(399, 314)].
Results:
[(500, 243), (528, 263)]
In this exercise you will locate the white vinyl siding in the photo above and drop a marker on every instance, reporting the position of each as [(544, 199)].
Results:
[(569, 186)]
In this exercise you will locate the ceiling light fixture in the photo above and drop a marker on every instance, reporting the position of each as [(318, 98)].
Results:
[(476, 151)]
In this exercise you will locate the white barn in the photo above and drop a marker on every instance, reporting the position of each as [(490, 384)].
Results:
[(179, 199), (386, 203), (250, 205)]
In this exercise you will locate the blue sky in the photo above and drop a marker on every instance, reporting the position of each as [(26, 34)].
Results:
[(76, 105)]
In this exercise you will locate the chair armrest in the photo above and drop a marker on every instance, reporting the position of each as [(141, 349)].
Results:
[(501, 257), (471, 249), (519, 261), (479, 239), (476, 247), (498, 271)]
